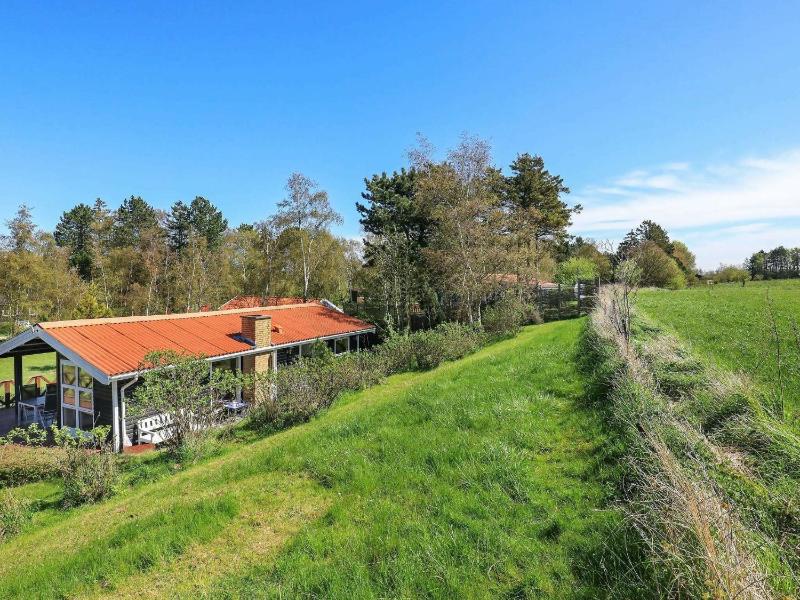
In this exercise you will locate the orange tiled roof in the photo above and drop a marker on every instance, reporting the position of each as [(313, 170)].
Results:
[(256, 301), (513, 278), (119, 345)]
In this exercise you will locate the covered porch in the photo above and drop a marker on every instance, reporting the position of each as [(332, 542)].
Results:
[(28, 386)]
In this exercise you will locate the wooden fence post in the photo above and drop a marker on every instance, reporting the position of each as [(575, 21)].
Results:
[(559, 302), (579, 297)]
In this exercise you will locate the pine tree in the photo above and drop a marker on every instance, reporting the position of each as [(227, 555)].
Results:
[(179, 226), (207, 221), (132, 220), (75, 230)]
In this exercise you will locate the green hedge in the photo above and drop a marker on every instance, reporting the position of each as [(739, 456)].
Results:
[(25, 464)]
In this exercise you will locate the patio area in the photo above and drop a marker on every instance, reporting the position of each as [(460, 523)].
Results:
[(28, 388), (8, 419)]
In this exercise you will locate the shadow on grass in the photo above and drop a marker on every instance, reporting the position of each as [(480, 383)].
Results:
[(621, 564)]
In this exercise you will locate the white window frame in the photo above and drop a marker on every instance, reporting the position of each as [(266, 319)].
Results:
[(77, 388), (339, 339)]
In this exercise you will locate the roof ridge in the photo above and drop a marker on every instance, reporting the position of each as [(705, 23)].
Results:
[(145, 318)]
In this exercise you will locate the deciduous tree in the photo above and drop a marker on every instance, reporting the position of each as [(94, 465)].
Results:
[(467, 251), (307, 212)]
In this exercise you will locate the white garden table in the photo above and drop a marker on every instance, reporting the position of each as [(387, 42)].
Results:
[(33, 405)]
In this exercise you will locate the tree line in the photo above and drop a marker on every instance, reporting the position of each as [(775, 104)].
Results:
[(443, 238), (778, 263), (137, 259)]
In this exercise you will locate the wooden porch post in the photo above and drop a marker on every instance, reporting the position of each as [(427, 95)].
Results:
[(18, 383)]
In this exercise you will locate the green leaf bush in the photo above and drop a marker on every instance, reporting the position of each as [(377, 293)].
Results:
[(295, 393)]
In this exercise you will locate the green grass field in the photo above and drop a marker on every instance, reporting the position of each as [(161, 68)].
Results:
[(36, 364), (487, 477), (729, 324)]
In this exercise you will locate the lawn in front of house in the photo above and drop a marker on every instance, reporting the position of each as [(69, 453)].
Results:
[(485, 477)]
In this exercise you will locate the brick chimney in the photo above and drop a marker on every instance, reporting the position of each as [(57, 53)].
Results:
[(257, 329)]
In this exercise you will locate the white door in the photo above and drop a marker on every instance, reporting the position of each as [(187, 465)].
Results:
[(77, 397)]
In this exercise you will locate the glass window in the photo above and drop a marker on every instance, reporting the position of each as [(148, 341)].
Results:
[(85, 421), (68, 374), (331, 345), (68, 418), (84, 379), (77, 397), (85, 400), (224, 365), (69, 396), (305, 349), (341, 345)]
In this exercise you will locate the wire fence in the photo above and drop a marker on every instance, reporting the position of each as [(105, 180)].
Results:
[(557, 301)]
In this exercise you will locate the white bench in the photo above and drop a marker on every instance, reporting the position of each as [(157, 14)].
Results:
[(155, 428)]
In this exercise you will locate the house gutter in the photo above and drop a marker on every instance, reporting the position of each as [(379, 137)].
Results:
[(126, 441)]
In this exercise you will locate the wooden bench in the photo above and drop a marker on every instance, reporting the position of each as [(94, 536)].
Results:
[(154, 429)]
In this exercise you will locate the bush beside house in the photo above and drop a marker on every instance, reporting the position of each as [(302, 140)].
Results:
[(293, 394), (25, 464)]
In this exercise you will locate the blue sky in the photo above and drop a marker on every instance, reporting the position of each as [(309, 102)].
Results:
[(686, 112)]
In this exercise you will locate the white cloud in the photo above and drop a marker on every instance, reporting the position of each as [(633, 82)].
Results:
[(733, 247), (734, 203), (643, 180)]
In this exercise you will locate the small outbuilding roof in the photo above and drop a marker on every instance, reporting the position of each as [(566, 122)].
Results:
[(117, 346), (256, 301)]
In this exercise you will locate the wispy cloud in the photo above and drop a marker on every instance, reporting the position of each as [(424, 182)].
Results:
[(729, 210)]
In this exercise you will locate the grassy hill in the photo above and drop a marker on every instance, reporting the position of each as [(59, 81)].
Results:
[(485, 477), (730, 325)]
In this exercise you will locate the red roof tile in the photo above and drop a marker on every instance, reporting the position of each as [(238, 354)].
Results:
[(256, 301), (119, 345)]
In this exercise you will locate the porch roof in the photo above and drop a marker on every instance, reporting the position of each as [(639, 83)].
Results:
[(111, 348)]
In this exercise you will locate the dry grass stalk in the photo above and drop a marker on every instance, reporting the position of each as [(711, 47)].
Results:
[(685, 520)]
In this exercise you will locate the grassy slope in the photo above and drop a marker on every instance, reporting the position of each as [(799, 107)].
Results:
[(481, 478), (728, 323)]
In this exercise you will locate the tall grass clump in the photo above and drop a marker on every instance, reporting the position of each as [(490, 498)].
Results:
[(14, 514), (294, 393), (717, 517), (88, 468)]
